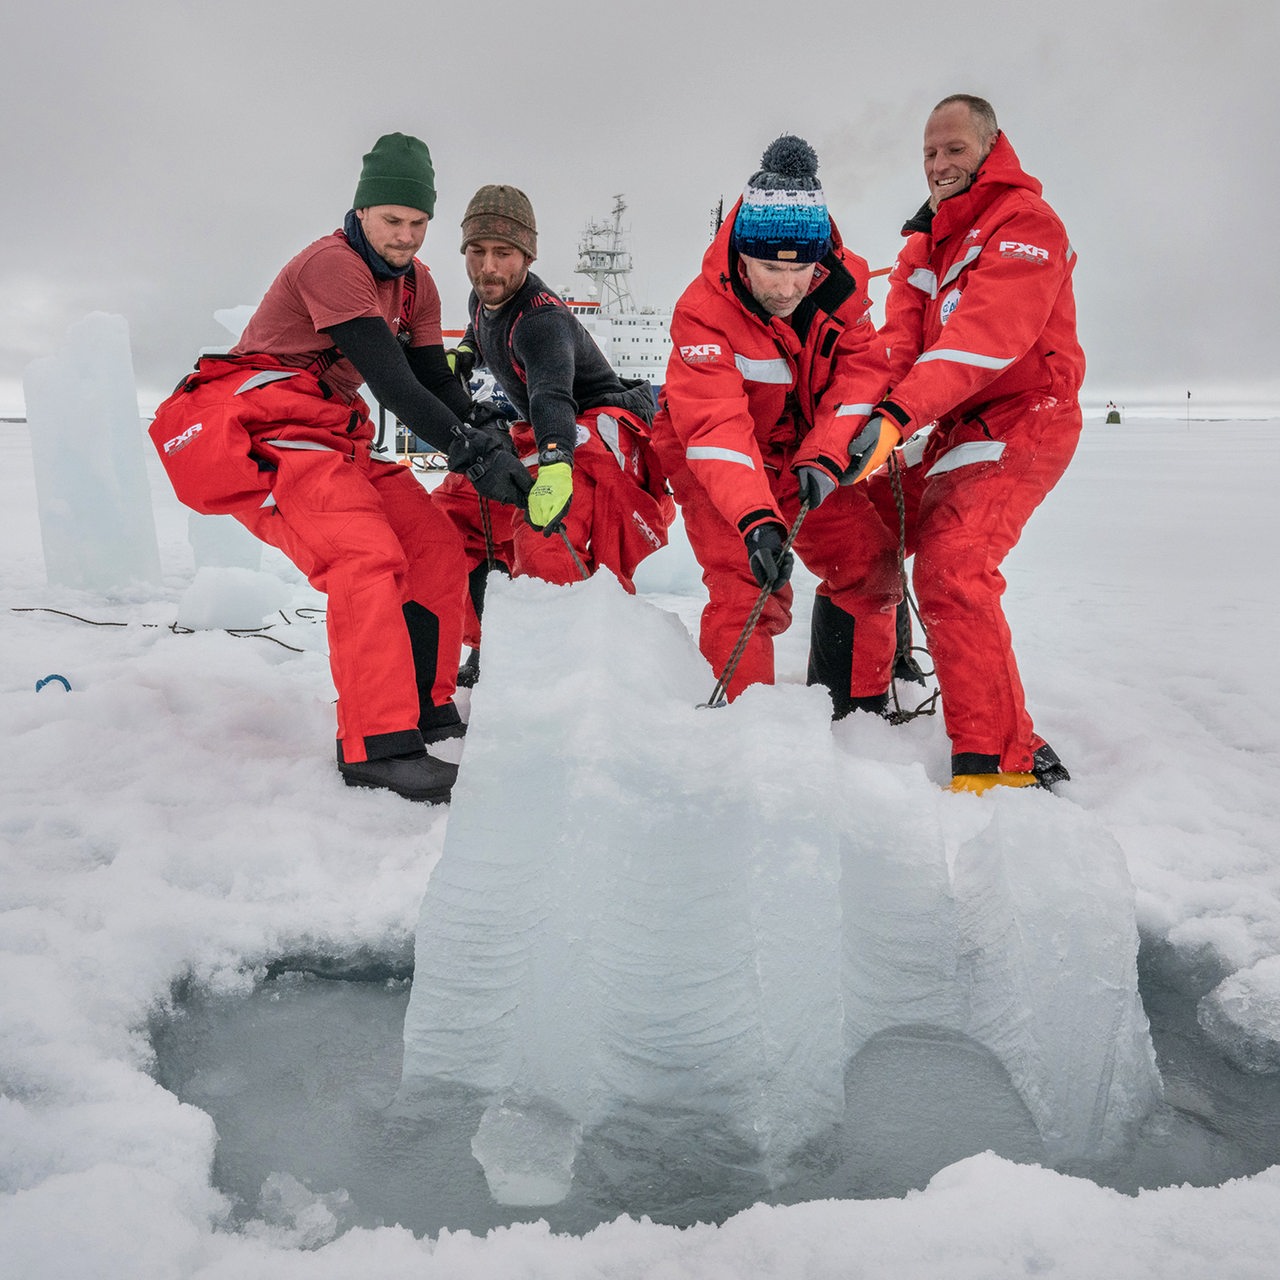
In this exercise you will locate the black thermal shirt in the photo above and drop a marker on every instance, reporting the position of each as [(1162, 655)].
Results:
[(415, 384), (565, 373)]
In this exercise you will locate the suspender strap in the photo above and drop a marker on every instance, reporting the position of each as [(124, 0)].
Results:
[(329, 357), (543, 299)]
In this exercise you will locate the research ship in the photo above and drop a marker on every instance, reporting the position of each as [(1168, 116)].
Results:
[(636, 341)]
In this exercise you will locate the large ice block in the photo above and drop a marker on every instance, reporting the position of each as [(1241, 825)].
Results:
[(652, 921), (92, 492), (637, 906)]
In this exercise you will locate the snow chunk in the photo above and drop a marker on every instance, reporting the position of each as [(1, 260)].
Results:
[(1241, 1015)]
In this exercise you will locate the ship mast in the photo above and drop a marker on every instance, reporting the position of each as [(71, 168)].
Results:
[(604, 260)]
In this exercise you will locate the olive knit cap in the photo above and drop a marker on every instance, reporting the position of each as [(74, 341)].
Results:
[(501, 213), (397, 171)]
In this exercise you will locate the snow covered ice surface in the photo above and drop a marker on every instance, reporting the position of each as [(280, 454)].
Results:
[(177, 816)]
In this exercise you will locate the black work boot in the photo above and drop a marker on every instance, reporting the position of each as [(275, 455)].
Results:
[(1049, 770), (438, 723), (416, 776), (831, 639)]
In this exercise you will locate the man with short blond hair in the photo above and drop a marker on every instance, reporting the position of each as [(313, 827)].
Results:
[(980, 332)]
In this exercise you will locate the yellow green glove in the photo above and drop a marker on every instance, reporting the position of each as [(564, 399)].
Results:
[(550, 496), (461, 361)]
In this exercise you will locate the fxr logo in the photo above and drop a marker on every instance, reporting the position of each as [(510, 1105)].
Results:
[(181, 442), (700, 353), (1028, 252), (652, 538)]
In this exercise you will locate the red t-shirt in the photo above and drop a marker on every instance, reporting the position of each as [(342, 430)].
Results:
[(325, 284)]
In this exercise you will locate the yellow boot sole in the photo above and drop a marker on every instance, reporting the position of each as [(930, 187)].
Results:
[(980, 782)]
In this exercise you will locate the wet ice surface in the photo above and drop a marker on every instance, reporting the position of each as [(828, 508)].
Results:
[(301, 1081), (695, 981)]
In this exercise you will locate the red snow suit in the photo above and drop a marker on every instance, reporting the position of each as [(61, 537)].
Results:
[(748, 397), (981, 336), (289, 457)]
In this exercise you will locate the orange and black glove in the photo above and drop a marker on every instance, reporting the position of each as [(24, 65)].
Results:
[(869, 449)]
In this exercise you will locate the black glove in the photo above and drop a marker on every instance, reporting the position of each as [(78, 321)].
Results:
[(764, 551), (504, 478), (462, 362), (471, 446), (486, 456), (487, 415)]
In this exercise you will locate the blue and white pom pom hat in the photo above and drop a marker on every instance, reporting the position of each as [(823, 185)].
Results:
[(784, 216)]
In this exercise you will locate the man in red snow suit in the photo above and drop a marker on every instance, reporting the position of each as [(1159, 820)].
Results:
[(775, 368), (275, 434), (980, 331), (599, 499)]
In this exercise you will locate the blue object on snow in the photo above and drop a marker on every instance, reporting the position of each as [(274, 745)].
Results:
[(66, 684)]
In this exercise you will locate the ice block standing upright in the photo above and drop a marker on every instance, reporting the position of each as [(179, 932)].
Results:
[(92, 493), (635, 922)]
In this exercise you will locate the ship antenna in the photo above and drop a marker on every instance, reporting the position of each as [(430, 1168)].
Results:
[(603, 258)]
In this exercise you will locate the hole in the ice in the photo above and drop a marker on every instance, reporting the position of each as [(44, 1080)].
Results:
[(301, 1080)]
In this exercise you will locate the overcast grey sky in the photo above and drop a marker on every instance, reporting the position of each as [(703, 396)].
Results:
[(163, 160)]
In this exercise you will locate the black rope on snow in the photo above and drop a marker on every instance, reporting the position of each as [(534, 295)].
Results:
[(306, 614), (62, 613)]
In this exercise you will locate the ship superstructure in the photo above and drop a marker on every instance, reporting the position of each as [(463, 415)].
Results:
[(636, 341)]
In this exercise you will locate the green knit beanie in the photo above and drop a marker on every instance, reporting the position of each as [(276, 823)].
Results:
[(397, 171)]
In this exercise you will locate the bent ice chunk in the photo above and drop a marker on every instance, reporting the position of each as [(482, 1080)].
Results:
[(1007, 922), (713, 941), (637, 908), (1241, 1015)]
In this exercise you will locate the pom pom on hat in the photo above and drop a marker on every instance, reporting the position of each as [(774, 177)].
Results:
[(397, 171), (783, 216)]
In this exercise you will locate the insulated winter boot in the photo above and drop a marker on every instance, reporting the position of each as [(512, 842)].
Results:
[(906, 668), (438, 723), (831, 660), (416, 776), (1049, 770), (877, 705), (980, 782)]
